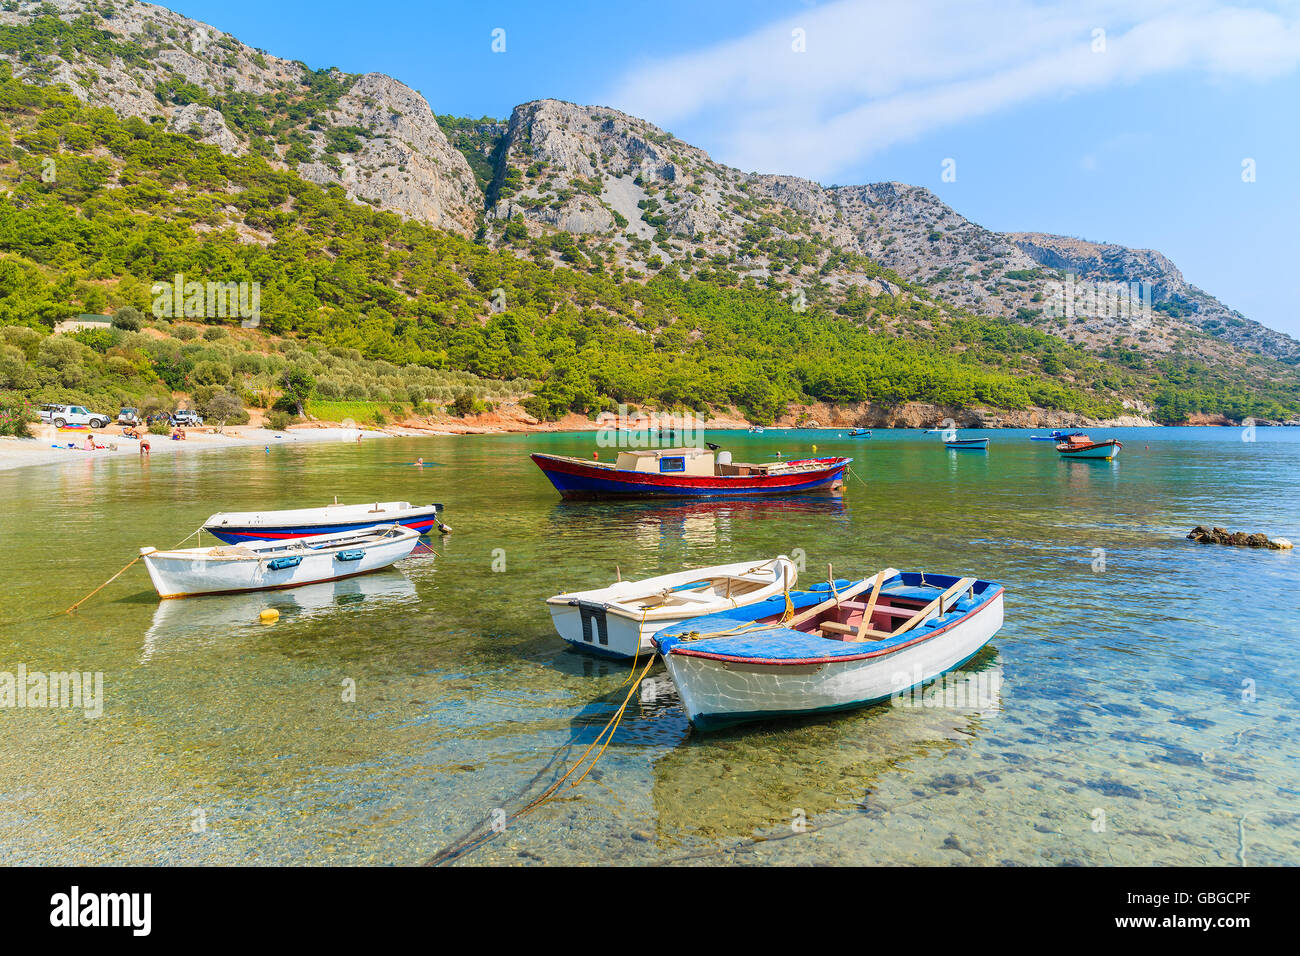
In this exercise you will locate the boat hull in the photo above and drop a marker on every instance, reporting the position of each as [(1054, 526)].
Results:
[(606, 634), (177, 576), (968, 444), (574, 479), (1103, 451), (718, 692), (271, 527)]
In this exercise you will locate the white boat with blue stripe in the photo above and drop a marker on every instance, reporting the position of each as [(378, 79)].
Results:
[(268, 565), (236, 527), (865, 643)]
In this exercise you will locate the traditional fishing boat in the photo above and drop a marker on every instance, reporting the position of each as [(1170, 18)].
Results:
[(235, 527), (813, 653), (1080, 446), (860, 433), (1056, 434), (267, 565), (620, 619), (967, 444), (689, 473)]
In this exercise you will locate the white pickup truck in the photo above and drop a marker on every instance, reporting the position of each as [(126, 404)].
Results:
[(61, 415)]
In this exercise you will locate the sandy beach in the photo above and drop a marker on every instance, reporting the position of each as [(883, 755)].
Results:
[(41, 450)]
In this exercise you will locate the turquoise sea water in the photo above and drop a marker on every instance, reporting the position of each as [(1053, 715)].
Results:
[(1146, 709)]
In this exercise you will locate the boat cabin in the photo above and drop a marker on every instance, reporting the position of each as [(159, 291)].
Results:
[(686, 461), (667, 461)]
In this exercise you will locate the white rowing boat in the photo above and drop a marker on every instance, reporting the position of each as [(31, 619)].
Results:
[(265, 565), (619, 620), (871, 641), (236, 527)]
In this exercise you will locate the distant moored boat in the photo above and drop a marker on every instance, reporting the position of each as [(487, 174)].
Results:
[(1080, 446), (967, 444)]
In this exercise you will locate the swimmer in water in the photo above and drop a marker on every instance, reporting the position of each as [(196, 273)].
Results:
[(419, 463)]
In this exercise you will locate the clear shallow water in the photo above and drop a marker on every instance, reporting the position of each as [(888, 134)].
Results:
[(1121, 696)]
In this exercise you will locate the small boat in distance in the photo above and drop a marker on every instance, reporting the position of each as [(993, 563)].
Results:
[(866, 643), (269, 565), (756, 429), (860, 433), (619, 620), (967, 444), (234, 527), (1056, 434), (1080, 446), (688, 473)]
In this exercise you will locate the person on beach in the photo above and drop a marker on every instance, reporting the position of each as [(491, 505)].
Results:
[(90, 443), (144, 447)]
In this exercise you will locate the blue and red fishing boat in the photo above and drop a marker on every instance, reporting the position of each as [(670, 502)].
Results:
[(689, 473), (1080, 446), (238, 526)]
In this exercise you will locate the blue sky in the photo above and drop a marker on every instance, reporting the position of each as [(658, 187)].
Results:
[(1135, 136)]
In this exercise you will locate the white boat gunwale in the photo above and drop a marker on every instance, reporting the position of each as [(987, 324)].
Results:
[(623, 606), (261, 549)]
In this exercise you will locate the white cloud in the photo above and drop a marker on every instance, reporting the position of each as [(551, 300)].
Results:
[(876, 74)]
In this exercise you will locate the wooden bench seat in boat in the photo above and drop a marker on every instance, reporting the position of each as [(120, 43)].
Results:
[(914, 616)]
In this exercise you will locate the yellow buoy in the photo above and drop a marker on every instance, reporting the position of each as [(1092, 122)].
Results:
[(269, 616), (814, 449)]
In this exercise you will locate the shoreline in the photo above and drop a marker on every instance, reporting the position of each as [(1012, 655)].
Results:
[(34, 452)]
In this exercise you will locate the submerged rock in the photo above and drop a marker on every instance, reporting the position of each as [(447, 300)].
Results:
[(1240, 539)]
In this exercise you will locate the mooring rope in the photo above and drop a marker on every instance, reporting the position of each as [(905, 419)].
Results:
[(475, 840), (78, 604)]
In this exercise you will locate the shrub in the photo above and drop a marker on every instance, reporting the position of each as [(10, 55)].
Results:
[(16, 422), (159, 428), (279, 420), (225, 407), (128, 318), (214, 332), (463, 404), (185, 332)]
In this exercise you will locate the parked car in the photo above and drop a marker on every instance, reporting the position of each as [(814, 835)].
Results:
[(61, 415), (46, 412), (127, 416), (187, 418)]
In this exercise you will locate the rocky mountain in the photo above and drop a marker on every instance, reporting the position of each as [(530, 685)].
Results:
[(651, 199), (626, 193), (370, 134)]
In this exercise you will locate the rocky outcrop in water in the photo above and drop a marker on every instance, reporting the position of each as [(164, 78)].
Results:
[(1240, 539)]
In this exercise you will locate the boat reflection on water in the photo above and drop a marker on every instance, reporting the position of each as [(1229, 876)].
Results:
[(754, 779), (208, 620), (706, 521)]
